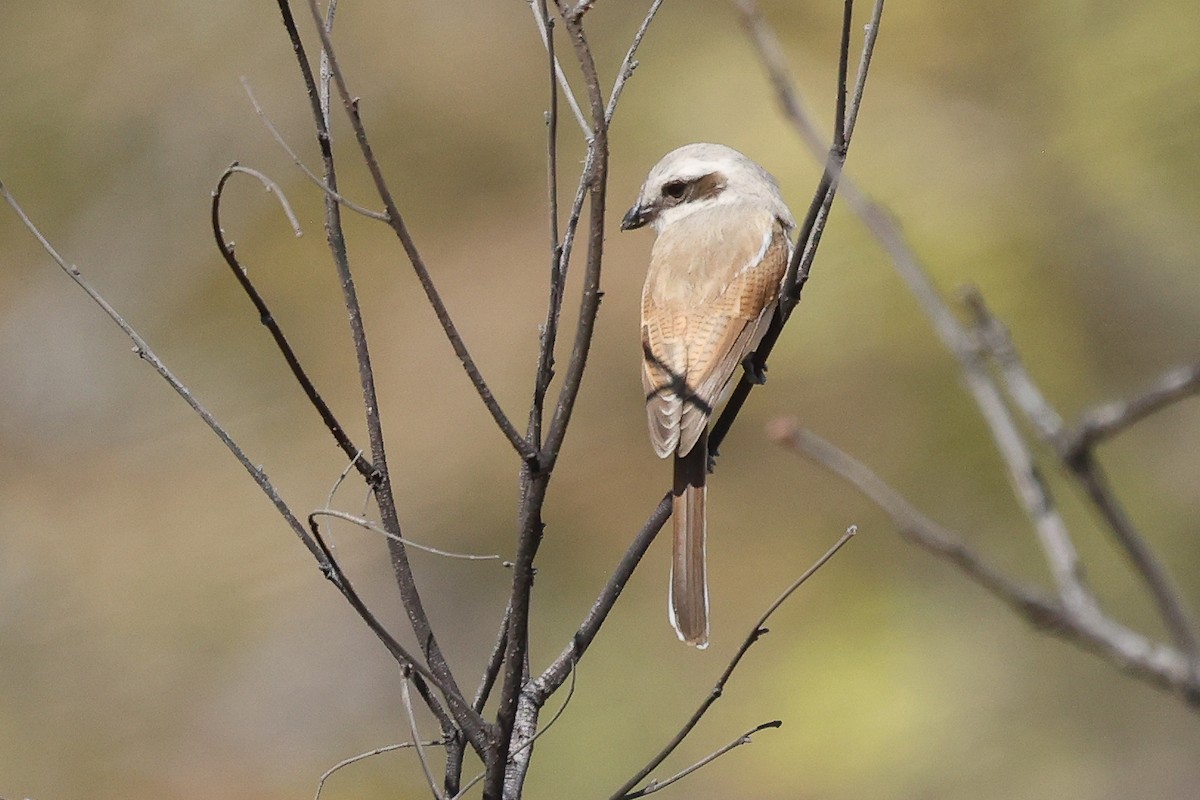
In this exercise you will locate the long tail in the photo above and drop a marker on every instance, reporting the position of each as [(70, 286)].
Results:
[(689, 581)]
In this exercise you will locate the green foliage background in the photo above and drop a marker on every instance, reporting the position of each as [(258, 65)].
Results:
[(162, 635)]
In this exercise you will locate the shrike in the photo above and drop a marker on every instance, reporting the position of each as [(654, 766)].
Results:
[(715, 272)]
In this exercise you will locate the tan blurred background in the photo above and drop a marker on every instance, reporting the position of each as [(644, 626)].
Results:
[(163, 634)]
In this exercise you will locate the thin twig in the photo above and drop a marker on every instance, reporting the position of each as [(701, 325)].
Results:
[(495, 661), (406, 699), (864, 65), (312, 176), (469, 786), (142, 350), (549, 331), (341, 479), (333, 571), (629, 63), (272, 188), (363, 756), (654, 786), (544, 27), (371, 526), (718, 689), (839, 108), (268, 320)]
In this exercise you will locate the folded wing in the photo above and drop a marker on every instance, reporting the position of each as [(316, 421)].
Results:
[(710, 291)]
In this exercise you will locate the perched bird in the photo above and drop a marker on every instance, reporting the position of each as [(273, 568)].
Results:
[(714, 279)]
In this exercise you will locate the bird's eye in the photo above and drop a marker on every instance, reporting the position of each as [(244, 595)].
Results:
[(674, 189)]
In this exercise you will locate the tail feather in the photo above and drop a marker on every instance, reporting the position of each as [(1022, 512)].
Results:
[(689, 582)]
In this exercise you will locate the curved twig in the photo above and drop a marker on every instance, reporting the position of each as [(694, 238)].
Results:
[(268, 319)]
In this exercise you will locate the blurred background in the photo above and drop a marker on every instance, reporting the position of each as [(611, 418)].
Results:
[(164, 635)]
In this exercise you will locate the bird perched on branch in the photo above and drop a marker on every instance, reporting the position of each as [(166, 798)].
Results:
[(712, 287)]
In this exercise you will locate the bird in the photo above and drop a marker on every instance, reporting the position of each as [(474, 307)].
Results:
[(716, 270)]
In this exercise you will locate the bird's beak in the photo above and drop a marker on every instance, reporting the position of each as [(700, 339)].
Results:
[(636, 217)]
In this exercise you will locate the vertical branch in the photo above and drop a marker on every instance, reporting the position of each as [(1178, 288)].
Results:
[(595, 180), (549, 337), (463, 716)]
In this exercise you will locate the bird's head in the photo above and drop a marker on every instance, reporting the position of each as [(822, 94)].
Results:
[(701, 176)]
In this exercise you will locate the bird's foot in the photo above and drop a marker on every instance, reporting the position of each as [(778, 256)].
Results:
[(757, 373)]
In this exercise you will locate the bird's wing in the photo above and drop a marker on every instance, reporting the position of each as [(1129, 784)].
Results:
[(708, 300)]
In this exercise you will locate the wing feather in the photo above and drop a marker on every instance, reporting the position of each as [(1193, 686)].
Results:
[(711, 289)]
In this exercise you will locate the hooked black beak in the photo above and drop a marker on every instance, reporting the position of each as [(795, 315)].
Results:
[(636, 217)]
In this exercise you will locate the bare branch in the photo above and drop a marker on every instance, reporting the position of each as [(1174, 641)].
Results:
[(463, 716), (654, 786), (864, 66), (554, 675), (1081, 463), (911, 523), (333, 571), (813, 225), (718, 689), (549, 332), (143, 351), (1106, 421), (396, 222), (495, 661), (1156, 664), (629, 63), (545, 26)]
